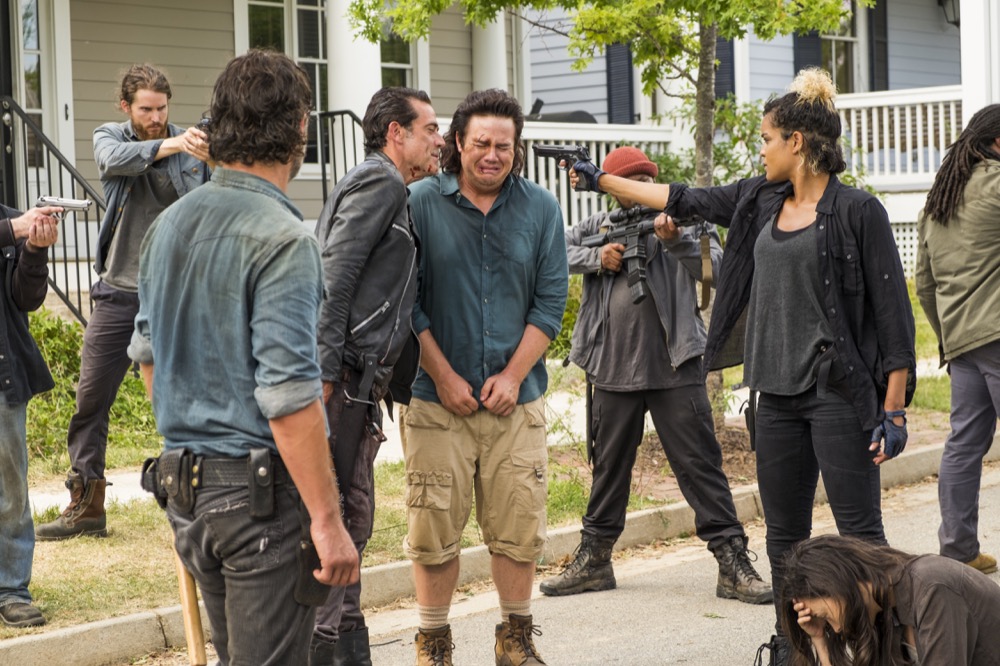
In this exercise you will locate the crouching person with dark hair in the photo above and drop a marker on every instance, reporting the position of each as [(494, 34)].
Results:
[(230, 286), (848, 601)]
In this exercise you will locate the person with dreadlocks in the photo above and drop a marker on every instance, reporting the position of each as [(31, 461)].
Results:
[(828, 333), (958, 285), (847, 602)]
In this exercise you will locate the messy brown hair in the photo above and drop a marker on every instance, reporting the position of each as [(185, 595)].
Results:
[(142, 77)]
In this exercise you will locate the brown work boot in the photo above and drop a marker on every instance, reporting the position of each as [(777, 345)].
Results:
[(515, 643), (84, 515), (434, 646), (737, 577), (983, 562)]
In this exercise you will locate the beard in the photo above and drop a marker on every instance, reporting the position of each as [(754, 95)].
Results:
[(149, 132)]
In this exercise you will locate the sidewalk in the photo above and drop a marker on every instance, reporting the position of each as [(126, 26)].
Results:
[(119, 639)]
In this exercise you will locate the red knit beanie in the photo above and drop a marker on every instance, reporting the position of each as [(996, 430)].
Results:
[(628, 161)]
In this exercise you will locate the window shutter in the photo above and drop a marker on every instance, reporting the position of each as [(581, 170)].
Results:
[(808, 51), (878, 35), (621, 100), (725, 73)]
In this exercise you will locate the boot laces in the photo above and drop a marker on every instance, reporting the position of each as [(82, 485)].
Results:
[(759, 659), (437, 647), (742, 564), (524, 636)]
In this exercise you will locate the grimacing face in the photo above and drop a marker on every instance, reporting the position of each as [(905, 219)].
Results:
[(487, 153), (148, 113)]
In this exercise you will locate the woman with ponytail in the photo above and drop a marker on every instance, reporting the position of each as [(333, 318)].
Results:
[(812, 299), (958, 284)]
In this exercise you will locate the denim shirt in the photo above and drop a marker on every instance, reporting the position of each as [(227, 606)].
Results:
[(121, 157), (230, 286), (483, 278)]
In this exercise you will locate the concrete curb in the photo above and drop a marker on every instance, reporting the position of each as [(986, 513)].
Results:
[(118, 639)]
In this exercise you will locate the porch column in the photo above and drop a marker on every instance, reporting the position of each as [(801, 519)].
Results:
[(354, 72), (980, 55), (489, 56)]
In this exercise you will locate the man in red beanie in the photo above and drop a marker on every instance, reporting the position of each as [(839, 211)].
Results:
[(665, 379)]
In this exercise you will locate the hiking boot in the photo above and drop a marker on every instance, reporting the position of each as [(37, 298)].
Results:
[(985, 563), (84, 515), (352, 649), (590, 570), (20, 614), (737, 577), (777, 652), (434, 646), (515, 643)]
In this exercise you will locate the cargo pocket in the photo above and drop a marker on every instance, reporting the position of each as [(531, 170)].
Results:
[(530, 481), (428, 415), (429, 490)]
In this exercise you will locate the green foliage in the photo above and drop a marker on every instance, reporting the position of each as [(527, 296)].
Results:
[(132, 431), (559, 348), (933, 393)]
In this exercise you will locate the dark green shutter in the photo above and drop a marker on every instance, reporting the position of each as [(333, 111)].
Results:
[(621, 99)]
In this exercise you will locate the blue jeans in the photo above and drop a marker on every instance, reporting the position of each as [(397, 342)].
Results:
[(17, 533), (798, 438), (246, 571)]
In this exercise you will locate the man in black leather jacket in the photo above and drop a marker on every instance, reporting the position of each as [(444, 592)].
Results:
[(24, 242), (367, 349)]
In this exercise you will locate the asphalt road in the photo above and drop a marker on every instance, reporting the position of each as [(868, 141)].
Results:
[(665, 610)]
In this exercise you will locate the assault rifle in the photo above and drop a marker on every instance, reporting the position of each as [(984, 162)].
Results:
[(629, 226)]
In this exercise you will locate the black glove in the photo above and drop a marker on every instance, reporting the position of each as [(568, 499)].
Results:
[(895, 436), (589, 174)]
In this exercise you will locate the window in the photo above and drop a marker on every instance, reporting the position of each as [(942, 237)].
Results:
[(397, 60), (839, 51)]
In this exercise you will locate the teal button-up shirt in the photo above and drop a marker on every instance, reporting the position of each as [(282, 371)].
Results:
[(484, 278)]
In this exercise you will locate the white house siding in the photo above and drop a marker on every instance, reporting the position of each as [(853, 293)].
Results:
[(191, 40), (552, 79), (450, 61), (924, 50), (771, 65)]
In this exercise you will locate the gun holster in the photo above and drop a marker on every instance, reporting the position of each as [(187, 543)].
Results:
[(176, 479), (260, 480), (150, 481)]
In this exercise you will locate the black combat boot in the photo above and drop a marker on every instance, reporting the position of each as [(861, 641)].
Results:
[(352, 649), (737, 577), (590, 570), (321, 653), (775, 651)]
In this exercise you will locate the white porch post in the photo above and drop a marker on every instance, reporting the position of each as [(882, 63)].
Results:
[(980, 55), (489, 56), (354, 72)]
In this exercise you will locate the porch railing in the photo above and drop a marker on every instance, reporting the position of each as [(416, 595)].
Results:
[(899, 137), (341, 138), (35, 167)]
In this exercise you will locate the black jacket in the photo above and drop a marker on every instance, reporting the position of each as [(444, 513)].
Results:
[(23, 372), (370, 274), (865, 293)]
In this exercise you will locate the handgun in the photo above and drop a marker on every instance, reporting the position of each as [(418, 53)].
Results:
[(65, 204), (570, 153)]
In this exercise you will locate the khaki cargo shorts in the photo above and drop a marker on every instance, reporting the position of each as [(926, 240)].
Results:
[(503, 459)]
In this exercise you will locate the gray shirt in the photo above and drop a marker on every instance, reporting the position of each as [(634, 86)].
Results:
[(150, 194), (787, 328)]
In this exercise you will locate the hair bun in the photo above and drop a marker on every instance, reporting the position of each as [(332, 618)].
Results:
[(814, 86)]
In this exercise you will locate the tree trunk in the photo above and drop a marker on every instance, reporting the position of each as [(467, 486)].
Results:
[(704, 133)]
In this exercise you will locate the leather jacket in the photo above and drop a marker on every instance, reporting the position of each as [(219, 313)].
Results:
[(369, 248)]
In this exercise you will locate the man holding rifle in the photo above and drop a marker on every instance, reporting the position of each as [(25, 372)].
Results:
[(230, 286), (145, 164), (666, 380)]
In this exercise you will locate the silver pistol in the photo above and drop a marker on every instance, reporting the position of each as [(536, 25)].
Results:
[(65, 204)]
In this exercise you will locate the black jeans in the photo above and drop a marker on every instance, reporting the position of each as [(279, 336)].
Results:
[(342, 611), (798, 438), (683, 420), (103, 363), (246, 569)]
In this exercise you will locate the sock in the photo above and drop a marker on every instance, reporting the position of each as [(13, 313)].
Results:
[(433, 617), (508, 608)]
